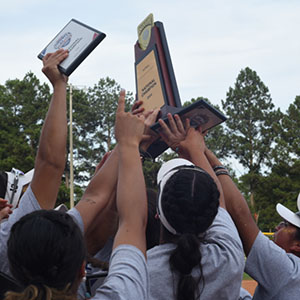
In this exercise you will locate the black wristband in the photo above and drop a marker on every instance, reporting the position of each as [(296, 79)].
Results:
[(215, 168), (222, 172)]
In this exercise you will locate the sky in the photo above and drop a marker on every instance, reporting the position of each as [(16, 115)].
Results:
[(210, 42)]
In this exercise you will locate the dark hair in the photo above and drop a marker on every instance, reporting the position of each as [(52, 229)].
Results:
[(190, 202), (297, 234), (46, 250), (153, 224), (3, 184)]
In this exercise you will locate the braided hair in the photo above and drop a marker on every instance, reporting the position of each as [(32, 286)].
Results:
[(46, 250), (190, 201)]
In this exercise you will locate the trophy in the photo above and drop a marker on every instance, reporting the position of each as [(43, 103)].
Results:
[(156, 84)]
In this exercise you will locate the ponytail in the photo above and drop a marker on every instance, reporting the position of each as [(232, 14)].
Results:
[(33, 292), (182, 261)]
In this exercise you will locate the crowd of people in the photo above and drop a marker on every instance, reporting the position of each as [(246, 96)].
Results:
[(186, 241)]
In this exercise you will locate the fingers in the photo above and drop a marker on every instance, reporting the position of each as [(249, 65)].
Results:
[(146, 138), (46, 57), (5, 212), (179, 124), (56, 57), (121, 103), (3, 203), (151, 117), (136, 109), (187, 124), (164, 126), (172, 123), (141, 117)]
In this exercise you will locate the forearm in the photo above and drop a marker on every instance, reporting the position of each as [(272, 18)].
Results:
[(199, 158), (237, 206), (51, 156), (99, 193), (103, 227), (131, 200), (52, 145), (131, 186)]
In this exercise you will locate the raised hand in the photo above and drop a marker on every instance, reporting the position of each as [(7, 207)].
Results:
[(50, 69), (176, 132), (129, 128)]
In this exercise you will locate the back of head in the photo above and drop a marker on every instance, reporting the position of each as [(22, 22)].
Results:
[(189, 201), (46, 248)]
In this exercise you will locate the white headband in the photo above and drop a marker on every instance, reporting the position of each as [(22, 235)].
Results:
[(166, 171)]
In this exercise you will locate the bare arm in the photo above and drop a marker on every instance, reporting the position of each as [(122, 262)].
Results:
[(236, 206), (98, 197), (189, 144), (98, 204), (193, 148), (131, 191), (51, 155)]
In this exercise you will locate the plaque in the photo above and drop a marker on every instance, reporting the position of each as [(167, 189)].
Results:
[(149, 87), (199, 113), (79, 39)]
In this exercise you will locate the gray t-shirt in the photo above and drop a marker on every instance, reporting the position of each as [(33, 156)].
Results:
[(222, 263), (277, 272), (27, 205), (103, 255), (127, 277)]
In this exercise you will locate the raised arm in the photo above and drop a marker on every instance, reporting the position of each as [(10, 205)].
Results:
[(193, 149), (237, 206), (131, 191), (98, 197), (51, 155), (189, 144)]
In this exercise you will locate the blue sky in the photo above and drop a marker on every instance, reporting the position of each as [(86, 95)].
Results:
[(209, 41)]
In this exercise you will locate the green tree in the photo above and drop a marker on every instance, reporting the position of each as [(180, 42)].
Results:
[(93, 125), (23, 106), (288, 141), (251, 125), (282, 185)]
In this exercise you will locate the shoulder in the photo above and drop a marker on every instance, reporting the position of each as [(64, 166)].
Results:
[(276, 271), (75, 214), (159, 255), (223, 231)]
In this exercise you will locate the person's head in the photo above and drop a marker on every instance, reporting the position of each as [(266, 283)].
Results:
[(188, 202), (188, 198), (287, 232), (46, 250)]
